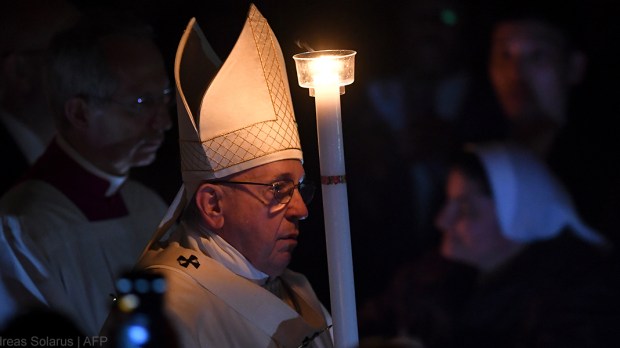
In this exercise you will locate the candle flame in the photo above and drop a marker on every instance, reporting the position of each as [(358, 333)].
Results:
[(325, 67), (325, 70)]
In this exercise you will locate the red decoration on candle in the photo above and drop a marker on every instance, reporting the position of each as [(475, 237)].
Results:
[(333, 179)]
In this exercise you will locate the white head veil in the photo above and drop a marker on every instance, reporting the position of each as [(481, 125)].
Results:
[(531, 202)]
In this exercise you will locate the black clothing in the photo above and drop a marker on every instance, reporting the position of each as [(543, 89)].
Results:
[(556, 293)]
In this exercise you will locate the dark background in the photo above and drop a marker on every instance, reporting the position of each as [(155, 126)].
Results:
[(367, 27)]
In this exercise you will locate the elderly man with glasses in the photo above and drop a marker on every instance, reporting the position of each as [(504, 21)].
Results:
[(81, 221), (244, 194)]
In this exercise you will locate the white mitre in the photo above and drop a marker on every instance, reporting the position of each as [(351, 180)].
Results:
[(245, 117), (232, 116)]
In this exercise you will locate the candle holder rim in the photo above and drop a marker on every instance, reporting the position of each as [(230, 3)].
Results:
[(324, 53)]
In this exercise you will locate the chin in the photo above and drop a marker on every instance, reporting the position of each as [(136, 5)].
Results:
[(281, 265), (144, 160), (452, 252)]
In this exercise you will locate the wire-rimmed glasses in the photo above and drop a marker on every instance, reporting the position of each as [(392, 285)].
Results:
[(142, 105), (282, 189)]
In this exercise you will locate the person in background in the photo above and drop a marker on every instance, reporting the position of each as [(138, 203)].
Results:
[(519, 268), (78, 222), (546, 278), (26, 123), (243, 198), (430, 96), (539, 64), (534, 66), (428, 93), (412, 91)]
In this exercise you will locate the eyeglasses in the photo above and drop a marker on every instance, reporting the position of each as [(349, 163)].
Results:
[(282, 190), (143, 105)]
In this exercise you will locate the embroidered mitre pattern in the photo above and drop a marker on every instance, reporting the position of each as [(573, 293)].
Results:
[(254, 141)]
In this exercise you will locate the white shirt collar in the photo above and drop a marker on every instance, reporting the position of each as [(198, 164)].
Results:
[(229, 257)]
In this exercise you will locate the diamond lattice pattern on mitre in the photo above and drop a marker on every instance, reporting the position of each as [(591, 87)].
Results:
[(259, 142)]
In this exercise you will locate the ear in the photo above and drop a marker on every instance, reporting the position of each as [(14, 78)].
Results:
[(208, 201), (77, 112), (577, 66)]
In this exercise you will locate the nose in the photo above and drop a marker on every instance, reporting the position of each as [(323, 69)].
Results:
[(296, 207), (517, 69), (161, 118)]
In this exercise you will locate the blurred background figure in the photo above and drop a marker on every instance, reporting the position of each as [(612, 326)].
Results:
[(539, 61), (81, 220), (432, 96), (517, 267), (422, 96), (535, 63), (404, 119), (26, 123), (546, 278)]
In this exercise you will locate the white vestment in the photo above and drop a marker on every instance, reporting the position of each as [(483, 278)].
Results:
[(67, 256), (223, 309)]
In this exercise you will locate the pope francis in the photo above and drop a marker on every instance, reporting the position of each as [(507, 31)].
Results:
[(227, 239)]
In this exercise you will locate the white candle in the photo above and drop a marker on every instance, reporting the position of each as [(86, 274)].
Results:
[(323, 72)]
